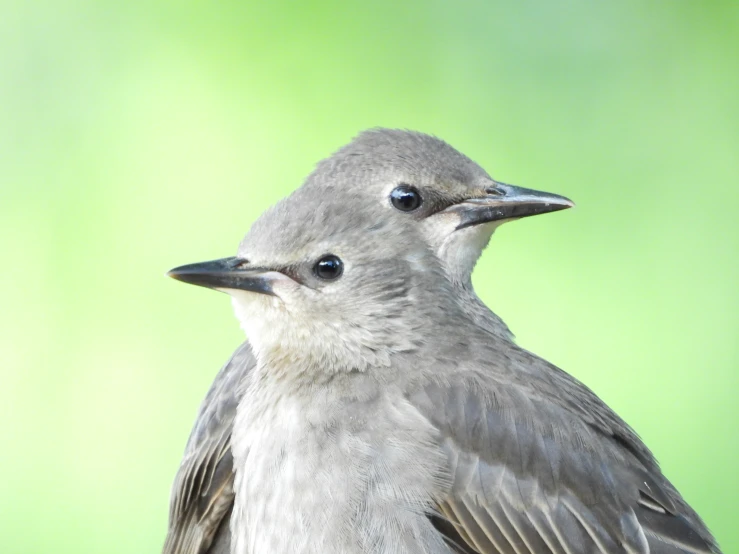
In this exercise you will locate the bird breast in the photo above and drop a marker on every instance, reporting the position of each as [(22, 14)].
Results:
[(327, 474)]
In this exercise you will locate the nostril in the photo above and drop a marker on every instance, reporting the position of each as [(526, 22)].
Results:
[(493, 191), (239, 263)]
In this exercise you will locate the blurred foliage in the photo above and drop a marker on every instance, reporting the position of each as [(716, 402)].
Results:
[(136, 136)]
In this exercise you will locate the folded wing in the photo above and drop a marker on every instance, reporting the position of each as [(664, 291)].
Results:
[(538, 463), (202, 492)]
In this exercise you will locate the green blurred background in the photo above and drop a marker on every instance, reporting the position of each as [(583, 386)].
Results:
[(138, 136)]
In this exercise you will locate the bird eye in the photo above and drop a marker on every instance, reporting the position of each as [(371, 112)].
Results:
[(406, 198), (329, 267)]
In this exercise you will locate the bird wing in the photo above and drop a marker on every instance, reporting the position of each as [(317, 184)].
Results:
[(538, 463), (202, 492)]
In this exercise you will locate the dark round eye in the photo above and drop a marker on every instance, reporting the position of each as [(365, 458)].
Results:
[(406, 198), (329, 267)]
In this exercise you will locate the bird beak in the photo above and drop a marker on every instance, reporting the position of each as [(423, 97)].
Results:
[(505, 202), (228, 273)]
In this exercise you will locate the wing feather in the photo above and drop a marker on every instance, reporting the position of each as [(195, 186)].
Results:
[(540, 464), (202, 493)]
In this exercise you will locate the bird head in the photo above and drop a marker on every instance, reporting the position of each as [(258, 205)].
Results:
[(316, 286), (419, 178)]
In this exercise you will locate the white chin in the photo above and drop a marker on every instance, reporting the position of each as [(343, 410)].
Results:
[(463, 248), (252, 310)]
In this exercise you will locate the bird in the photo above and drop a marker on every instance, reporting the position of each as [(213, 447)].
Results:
[(382, 417), (417, 177)]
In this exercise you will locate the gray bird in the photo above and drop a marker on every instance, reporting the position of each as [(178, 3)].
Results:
[(455, 205), (382, 418)]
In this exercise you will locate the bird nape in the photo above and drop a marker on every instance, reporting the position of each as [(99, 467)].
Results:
[(381, 407)]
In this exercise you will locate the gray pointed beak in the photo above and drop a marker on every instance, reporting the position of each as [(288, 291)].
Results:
[(505, 202), (227, 273)]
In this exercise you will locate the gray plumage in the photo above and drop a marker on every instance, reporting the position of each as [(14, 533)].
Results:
[(202, 491), (408, 435)]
